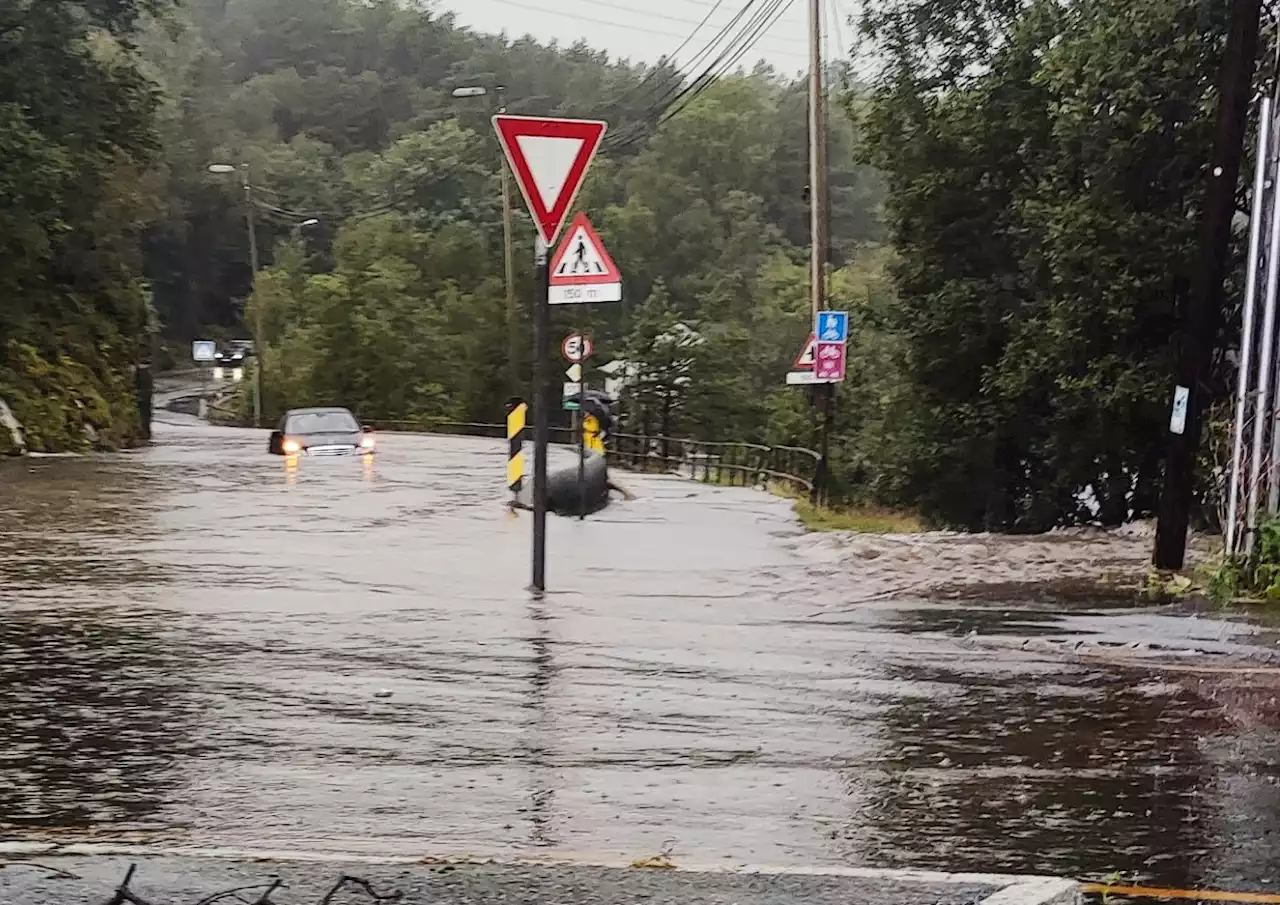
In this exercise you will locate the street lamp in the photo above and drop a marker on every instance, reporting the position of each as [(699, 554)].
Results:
[(513, 319), (223, 169)]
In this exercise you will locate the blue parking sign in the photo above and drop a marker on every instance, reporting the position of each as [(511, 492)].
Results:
[(833, 326)]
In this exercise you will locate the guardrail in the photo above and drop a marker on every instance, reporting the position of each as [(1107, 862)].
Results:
[(463, 429), (723, 462)]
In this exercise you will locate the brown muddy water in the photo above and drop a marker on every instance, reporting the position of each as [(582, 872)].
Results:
[(201, 645)]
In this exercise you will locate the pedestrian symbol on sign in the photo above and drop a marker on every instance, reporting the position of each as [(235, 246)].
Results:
[(584, 260), (833, 327)]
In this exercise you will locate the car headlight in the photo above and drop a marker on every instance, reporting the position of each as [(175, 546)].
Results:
[(366, 442), (291, 447)]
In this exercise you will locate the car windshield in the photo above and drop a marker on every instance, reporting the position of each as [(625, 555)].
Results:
[(321, 423)]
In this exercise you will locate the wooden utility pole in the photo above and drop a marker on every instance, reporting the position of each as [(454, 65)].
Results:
[(508, 254), (1201, 319), (817, 165), (259, 346), (823, 392)]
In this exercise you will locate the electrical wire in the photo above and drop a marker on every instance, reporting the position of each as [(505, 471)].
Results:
[(761, 22), (559, 12), (677, 99)]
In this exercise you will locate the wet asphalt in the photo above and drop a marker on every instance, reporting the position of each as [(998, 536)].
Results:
[(203, 645)]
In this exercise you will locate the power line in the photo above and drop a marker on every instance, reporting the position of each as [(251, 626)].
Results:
[(683, 21), (666, 94), (595, 21), (762, 22), (710, 71)]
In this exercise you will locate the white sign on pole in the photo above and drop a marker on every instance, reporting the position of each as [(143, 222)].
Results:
[(574, 372), (203, 350), (1178, 417)]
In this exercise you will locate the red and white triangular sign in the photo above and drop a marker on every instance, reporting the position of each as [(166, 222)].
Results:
[(549, 158), (808, 355), (581, 259)]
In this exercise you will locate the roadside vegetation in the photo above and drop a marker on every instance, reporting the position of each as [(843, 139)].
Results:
[(1013, 259)]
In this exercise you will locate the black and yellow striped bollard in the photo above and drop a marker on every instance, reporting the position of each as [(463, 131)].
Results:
[(517, 412)]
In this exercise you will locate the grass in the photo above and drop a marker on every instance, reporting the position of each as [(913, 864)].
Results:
[(860, 519)]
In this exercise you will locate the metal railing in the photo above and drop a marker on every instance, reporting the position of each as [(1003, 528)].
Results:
[(462, 429), (731, 463)]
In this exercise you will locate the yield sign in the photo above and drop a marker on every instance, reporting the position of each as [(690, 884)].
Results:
[(549, 158)]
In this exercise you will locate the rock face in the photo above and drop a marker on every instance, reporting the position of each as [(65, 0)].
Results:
[(12, 442)]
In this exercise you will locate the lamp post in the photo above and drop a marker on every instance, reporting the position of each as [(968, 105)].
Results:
[(224, 169), (513, 312)]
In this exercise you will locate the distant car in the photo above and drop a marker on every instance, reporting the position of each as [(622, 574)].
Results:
[(229, 358), (320, 432), (233, 353)]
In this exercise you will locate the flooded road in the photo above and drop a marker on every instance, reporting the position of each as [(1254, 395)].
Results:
[(202, 645)]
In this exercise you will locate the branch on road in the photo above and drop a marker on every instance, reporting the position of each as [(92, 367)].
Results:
[(53, 870), (346, 880), (264, 899), (126, 896)]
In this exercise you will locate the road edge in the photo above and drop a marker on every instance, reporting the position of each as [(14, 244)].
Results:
[(1012, 889)]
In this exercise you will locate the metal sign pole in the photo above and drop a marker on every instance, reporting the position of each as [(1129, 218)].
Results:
[(1256, 230), (582, 419), (541, 420)]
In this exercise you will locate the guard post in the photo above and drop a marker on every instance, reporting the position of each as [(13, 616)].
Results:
[(517, 416)]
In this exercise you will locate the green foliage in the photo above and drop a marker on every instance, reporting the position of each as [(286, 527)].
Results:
[(1013, 206), (76, 136), (1044, 166)]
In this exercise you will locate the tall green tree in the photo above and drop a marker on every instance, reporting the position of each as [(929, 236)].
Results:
[(77, 136)]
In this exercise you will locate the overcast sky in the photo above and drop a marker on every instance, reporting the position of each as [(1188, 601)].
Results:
[(644, 30)]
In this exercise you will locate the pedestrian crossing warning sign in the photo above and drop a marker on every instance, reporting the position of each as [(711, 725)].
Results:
[(804, 370), (582, 270), (808, 355)]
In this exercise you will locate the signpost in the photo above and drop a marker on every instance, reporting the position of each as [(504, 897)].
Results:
[(582, 271), (203, 350), (549, 158)]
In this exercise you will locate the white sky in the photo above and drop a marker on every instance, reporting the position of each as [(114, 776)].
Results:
[(644, 30)]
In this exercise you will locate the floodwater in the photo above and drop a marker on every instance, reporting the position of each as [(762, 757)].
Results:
[(203, 645)]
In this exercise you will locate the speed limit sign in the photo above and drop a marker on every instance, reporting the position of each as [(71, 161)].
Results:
[(576, 348)]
